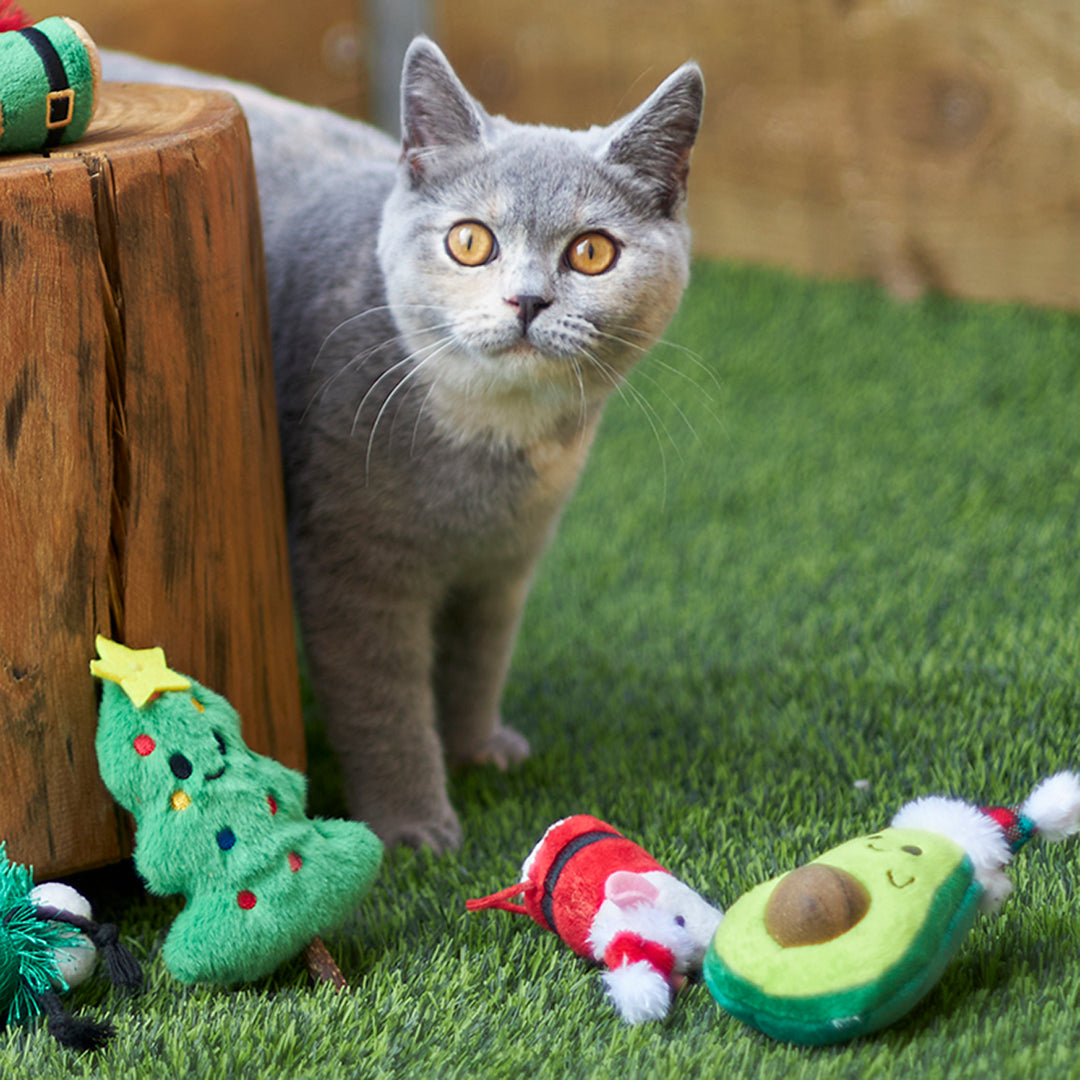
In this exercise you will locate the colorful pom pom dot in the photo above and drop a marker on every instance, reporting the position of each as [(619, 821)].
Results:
[(143, 745), (246, 899), (295, 862), (180, 800), (226, 839), (272, 803)]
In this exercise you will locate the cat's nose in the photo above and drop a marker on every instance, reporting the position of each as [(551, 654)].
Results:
[(528, 307)]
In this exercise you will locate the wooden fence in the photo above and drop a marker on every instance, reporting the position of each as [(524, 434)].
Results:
[(932, 145)]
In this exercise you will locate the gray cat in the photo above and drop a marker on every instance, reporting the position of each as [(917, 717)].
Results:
[(448, 319)]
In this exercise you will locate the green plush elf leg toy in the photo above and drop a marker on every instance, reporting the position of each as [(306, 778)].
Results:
[(222, 825), (49, 80)]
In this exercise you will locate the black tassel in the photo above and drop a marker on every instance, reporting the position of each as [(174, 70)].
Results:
[(71, 1031), (123, 968)]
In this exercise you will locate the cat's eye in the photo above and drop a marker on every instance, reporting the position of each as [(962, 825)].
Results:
[(592, 253), (470, 243)]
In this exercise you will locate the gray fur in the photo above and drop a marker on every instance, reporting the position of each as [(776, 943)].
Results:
[(430, 432)]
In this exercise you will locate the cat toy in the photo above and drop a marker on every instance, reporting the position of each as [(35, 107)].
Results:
[(224, 826), (613, 903), (49, 944), (850, 942), (49, 79)]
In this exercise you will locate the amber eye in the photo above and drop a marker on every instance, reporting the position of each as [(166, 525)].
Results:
[(592, 253), (470, 243)]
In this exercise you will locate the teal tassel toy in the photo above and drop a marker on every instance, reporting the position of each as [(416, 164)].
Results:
[(49, 78), (39, 934)]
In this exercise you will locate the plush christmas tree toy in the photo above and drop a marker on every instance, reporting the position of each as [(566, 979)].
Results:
[(850, 942), (48, 944), (613, 903), (220, 824), (49, 78)]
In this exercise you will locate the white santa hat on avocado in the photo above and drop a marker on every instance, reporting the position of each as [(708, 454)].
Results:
[(991, 835)]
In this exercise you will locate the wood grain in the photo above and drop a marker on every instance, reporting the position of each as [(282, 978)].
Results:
[(140, 476)]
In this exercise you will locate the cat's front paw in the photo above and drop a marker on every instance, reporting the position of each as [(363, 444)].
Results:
[(503, 748), (440, 834)]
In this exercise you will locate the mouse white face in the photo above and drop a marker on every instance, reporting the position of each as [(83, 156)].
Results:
[(661, 909), (699, 918)]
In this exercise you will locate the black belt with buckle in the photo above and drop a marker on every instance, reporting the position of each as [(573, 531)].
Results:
[(60, 101)]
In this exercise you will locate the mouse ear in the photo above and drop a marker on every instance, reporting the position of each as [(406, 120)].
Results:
[(627, 890)]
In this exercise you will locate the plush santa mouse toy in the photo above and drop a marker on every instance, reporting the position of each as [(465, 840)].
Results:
[(613, 903)]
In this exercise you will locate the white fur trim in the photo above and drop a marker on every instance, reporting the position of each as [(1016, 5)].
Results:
[(638, 991), (651, 923), (526, 866), (998, 885), (1054, 806), (978, 834)]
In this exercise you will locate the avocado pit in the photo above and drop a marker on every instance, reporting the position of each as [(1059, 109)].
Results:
[(813, 904)]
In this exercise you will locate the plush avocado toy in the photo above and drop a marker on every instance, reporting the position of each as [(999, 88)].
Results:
[(850, 942)]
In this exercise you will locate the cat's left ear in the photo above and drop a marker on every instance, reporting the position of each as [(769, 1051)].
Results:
[(437, 112), (655, 140)]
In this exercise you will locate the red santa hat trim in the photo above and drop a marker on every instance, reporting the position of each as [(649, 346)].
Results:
[(630, 948)]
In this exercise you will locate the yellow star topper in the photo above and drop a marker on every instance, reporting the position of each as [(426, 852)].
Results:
[(141, 673)]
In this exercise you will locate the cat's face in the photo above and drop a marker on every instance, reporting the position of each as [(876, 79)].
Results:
[(529, 267)]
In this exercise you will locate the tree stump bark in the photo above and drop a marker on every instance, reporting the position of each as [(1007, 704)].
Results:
[(140, 484)]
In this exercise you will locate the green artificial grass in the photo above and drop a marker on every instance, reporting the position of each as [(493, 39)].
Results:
[(823, 560)]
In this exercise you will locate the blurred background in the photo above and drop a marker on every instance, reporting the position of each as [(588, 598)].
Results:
[(930, 144)]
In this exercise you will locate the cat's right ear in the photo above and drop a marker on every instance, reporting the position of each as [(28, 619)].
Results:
[(437, 112), (655, 140)]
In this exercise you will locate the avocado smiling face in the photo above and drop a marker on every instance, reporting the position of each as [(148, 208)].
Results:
[(847, 943)]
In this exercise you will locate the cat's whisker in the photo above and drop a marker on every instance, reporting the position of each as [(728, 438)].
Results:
[(692, 355), (354, 361), (622, 382), (653, 359), (675, 405), (441, 348), (647, 350), (352, 319), (622, 388), (420, 415), (374, 386), (645, 375), (713, 415), (583, 412)]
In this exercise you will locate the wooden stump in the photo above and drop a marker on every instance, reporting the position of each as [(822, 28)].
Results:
[(140, 486)]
